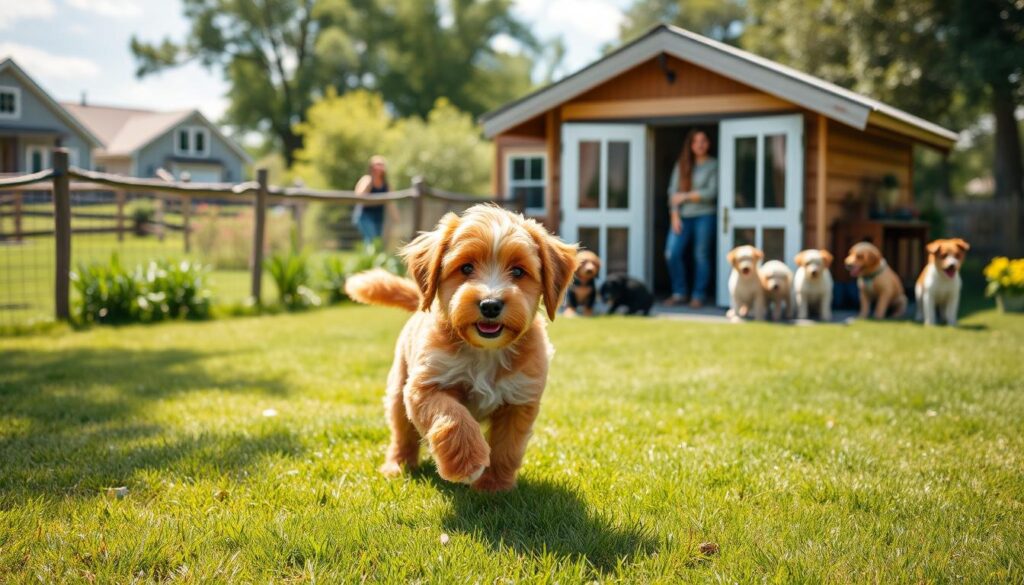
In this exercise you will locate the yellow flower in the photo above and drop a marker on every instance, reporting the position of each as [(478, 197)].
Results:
[(997, 267)]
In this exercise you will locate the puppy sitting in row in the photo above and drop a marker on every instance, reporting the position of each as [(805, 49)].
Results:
[(877, 283), (777, 282), (813, 284), (621, 290), (746, 294), (938, 285), (583, 291)]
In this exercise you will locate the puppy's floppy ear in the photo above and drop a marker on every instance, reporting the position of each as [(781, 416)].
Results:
[(826, 257), (731, 257), (799, 258), (933, 247), (962, 244), (557, 265), (758, 255), (423, 256)]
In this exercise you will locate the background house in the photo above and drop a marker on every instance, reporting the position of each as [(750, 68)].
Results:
[(803, 162), (32, 123), (138, 142)]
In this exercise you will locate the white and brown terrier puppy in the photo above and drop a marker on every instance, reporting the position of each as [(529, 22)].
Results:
[(813, 284), (583, 291), (876, 282), (777, 282), (476, 348), (746, 295), (938, 285)]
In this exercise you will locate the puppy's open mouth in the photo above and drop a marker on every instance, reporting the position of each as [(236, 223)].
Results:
[(854, 270), (489, 330), (951, 271)]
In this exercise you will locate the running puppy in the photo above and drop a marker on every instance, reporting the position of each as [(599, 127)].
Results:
[(475, 347), (876, 282), (938, 285), (746, 295), (813, 284), (583, 290), (777, 282)]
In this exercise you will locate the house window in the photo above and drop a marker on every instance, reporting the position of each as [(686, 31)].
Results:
[(527, 175), (10, 102), (37, 158), (192, 141)]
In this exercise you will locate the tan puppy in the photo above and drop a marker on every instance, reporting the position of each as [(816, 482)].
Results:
[(777, 282), (876, 281), (813, 284), (746, 295), (477, 349), (583, 291), (938, 285)]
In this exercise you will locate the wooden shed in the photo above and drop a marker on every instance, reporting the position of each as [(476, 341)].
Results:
[(803, 163)]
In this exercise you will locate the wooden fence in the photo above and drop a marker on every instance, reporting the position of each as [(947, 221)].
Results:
[(63, 180), (992, 226)]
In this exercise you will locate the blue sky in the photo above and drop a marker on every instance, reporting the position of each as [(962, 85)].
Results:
[(75, 46)]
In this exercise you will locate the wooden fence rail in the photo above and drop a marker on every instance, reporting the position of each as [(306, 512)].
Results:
[(62, 180)]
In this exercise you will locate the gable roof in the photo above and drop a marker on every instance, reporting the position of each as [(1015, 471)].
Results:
[(804, 90), (124, 131), (60, 112)]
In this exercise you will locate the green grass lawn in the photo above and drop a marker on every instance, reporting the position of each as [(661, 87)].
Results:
[(869, 453)]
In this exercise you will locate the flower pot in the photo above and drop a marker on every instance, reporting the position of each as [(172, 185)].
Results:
[(1010, 303)]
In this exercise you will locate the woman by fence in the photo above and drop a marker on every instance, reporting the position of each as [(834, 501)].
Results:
[(370, 217)]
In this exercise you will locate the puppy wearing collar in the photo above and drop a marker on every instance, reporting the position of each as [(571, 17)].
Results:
[(877, 283)]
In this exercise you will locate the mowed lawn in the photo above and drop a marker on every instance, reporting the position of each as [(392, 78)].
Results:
[(865, 453)]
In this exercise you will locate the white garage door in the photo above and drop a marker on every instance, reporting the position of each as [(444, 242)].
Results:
[(199, 173)]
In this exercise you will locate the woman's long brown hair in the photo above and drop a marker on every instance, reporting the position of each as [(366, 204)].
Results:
[(686, 161)]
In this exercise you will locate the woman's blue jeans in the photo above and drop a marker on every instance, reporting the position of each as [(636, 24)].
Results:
[(371, 227), (697, 239)]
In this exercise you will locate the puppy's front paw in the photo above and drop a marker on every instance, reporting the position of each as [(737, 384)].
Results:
[(460, 452), (491, 482)]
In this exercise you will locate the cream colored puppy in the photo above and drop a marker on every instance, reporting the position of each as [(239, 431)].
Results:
[(938, 285), (813, 284), (777, 282), (746, 295)]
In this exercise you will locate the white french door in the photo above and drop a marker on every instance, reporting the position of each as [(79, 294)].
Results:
[(761, 182), (603, 203)]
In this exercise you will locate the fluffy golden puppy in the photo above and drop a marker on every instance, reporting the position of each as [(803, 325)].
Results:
[(746, 295), (476, 348), (813, 284), (938, 285), (876, 282), (777, 282), (583, 290)]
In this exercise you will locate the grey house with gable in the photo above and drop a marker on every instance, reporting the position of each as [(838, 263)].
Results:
[(32, 124), (138, 142)]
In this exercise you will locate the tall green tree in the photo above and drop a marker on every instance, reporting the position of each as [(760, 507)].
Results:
[(279, 56), (719, 19), (988, 46)]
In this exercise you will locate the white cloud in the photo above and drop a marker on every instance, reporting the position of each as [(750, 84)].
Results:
[(182, 88), (14, 10), (112, 8), (585, 25), (41, 64)]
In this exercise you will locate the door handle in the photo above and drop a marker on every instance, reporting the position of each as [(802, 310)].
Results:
[(725, 220)]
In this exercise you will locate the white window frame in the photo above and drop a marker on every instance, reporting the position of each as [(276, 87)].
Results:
[(542, 182), (192, 132), (16, 92), (32, 148)]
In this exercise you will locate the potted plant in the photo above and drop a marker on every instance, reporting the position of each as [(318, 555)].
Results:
[(1006, 283)]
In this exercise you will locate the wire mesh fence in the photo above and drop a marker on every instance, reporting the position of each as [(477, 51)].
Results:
[(141, 221)]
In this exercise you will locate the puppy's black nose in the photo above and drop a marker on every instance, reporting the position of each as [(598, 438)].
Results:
[(491, 308)]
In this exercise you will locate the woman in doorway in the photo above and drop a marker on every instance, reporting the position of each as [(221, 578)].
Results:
[(692, 200), (370, 217)]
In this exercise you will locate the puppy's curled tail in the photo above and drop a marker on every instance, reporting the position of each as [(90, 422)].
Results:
[(380, 287)]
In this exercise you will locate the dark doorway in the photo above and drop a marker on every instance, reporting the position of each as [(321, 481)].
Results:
[(8, 155), (668, 144)]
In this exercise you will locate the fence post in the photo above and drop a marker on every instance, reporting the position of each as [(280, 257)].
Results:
[(258, 234), (18, 199), (119, 197), (62, 233), (186, 211), (298, 211), (417, 204)]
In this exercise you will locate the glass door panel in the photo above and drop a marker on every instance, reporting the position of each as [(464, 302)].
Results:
[(589, 175)]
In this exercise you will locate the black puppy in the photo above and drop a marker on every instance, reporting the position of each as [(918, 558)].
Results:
[(620, 290)]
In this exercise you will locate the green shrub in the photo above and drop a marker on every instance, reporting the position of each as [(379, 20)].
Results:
[(291, 275), (372, 256), (110, 293), (142, 211)]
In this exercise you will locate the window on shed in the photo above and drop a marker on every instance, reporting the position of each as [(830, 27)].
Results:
[(526, 179)]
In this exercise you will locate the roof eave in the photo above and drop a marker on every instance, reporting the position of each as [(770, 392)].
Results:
[(48, 99)]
